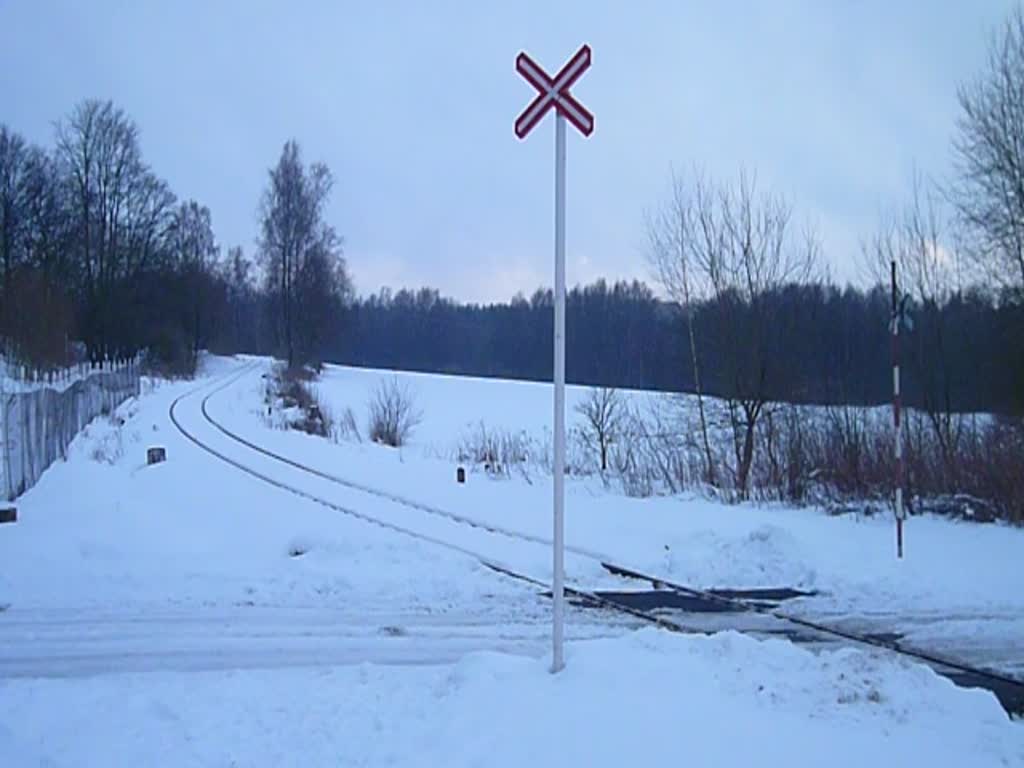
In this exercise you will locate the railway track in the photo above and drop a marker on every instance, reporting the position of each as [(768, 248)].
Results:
[(585, 596), (1009, 690)]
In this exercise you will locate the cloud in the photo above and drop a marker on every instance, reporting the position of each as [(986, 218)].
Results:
[(412, 108)]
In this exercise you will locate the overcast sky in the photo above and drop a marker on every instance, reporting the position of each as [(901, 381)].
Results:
[(412, 104)]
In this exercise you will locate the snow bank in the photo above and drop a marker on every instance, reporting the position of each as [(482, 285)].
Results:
[(766, 555), (646, 699)]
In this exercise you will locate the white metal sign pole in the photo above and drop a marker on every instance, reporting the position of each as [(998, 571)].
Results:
[(553, 93), (558, 577)]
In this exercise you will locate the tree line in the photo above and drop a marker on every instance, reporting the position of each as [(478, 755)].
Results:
[(95, 247), (100, 259), (823, 344)]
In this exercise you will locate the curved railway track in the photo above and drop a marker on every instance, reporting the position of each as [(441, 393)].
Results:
[(583, 595), (1009, 690)]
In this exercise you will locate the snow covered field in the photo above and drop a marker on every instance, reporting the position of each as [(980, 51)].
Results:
[(955, 587), (190, 614)]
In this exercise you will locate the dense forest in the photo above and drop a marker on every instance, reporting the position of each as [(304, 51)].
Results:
[(824, 345)]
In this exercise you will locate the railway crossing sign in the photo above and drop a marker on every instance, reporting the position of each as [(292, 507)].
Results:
[(553, 93)]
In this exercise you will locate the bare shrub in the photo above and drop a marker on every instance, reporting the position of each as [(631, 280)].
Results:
[(304, 373), (602, 413), (393, 413), (663, 450), (579, 454), (632, 467), (291, 387), (317, 419), (346, 428), (837, 457), (992, 470), (109, 448), (842, 458), (498, 452), (637, 458), (314, 419)]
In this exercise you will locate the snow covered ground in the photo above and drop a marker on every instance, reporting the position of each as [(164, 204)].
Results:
[(646, 699), (190, 614), (954, 591)]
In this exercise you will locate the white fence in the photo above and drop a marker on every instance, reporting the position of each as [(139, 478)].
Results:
[(37, 424)]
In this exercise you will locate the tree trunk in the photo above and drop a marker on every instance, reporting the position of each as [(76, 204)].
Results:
[(289, 290), (751, 412), (709, 464), (746, 458), (7, 260)]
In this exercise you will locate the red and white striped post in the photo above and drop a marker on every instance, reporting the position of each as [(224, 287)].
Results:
[(896, 423)]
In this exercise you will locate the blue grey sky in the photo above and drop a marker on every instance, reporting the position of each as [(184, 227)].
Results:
[(412, 105)]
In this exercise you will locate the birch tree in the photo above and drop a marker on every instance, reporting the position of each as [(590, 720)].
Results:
[(301, 253)]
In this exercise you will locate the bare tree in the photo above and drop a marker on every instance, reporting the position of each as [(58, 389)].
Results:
[(34, 269), (921, 241), (92, 241), (119, 211), (923, 245), (989, 190), (195, 250), (602, 412), (323, 288), (739, 244), (13, 169), (301, 251), (672, 256), (241, 294)]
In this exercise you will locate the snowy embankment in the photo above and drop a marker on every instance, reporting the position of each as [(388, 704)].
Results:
[(190, 614)]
